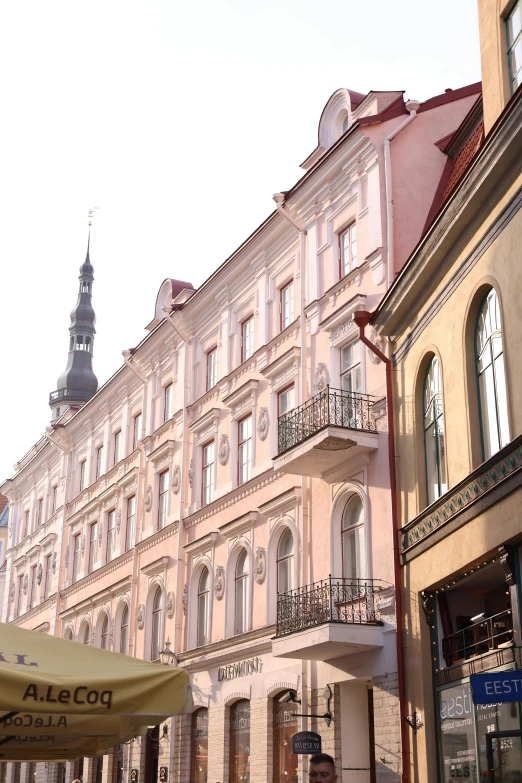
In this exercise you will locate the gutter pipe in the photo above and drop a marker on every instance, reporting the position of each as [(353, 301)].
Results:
[(413, 107), (362, 319)]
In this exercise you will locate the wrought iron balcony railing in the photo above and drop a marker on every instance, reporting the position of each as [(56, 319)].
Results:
[(479, 638), (347, 601), (70, 394), (328, 408)]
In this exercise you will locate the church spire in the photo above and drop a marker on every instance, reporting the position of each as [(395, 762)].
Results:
[(78, 383)]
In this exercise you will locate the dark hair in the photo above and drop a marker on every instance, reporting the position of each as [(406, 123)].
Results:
[(322, 758)]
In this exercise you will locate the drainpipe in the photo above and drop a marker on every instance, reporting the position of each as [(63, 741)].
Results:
[(127, 356), (412, 107), (361, 319)]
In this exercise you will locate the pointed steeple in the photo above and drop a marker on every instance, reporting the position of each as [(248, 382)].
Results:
[(78, 383)]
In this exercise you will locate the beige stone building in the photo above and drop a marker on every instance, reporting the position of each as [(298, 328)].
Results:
[(228, 489), (452, 321)]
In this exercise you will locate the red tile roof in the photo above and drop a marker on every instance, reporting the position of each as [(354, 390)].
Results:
[(463, 160), (3, 502)]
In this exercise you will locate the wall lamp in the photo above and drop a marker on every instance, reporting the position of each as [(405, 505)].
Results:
[(166, 656)]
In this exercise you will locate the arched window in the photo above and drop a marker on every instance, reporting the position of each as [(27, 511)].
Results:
[(199, 746), (104, 635), (240, 742), (155, 642), (491, 380), (352, 534), (203, 607), (433, 426), (285, 562), (85, 638), (68, 635), (240, 615), (124, 630), (285, 724)]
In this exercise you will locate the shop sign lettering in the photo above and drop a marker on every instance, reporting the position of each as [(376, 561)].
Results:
[(303, 742), (241, 669), (80, 695), (499, 687)]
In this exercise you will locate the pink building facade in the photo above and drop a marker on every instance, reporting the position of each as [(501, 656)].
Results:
[(228, 488)]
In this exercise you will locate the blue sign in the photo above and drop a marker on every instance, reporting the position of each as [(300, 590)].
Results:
[(496, 687)]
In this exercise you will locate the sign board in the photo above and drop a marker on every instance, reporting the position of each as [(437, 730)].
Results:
[(134, 776), (303, 742), (496, 687), (163, 774)]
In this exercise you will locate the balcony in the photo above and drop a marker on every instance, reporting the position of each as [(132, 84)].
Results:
[(328, 619), (491, 633), (61, 395), (318, 437)]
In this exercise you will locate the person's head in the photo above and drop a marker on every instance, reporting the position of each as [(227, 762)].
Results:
[(322, 769)]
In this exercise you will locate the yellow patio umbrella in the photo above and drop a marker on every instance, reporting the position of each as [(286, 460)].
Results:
[(48, 748), (25, 724), (45, 674)]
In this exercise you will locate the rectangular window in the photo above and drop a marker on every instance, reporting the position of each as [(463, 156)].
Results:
[(136, 431), (348, 249), (208, 472), (33, 586), (244, 449), (93, 545), (286, 304), (25, 528), (286, 400), (131, 523), (111, 534), (48, 576), (514, 42), (211, 368), (351, 380), (39, 512), (163, 499), (247, 338), (54, 496), (77, 555), (20, 597), (99, 462), (117, 445), (83, 475), (167, 402)]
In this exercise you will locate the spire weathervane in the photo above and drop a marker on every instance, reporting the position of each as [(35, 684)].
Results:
[(91, 215)]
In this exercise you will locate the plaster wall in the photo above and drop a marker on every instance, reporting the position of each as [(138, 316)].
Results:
[(493, 56)]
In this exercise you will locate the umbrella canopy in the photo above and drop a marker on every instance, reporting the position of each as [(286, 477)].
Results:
[(44, 748), (45, 674), (25, 724)]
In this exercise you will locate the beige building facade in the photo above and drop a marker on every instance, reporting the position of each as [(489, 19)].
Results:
[(452, 322), (228, 489)]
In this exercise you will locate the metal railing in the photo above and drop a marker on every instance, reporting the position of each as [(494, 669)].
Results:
[(328, 408), (70, 394), (332, 600), (479, 638)]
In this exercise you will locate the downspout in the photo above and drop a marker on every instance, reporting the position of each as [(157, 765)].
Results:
[(412, 107), (127, 355), (361, 319)]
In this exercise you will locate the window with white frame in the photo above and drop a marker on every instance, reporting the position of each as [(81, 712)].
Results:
[(136, 430), (351, 374), (20, 597), (286, 304), (54, 497), (111, 534), (348, 249), (352, 538), (285, 562), (131, 523), (514, 43), (85, 638), (203, 608), (48, 576), (104, 635), (116, 447), (99, 462), (155, 640), (25, 527), (93, 545), (211, 368), (247, 338), (32, 600), (83, 474), (163, 498), (124, 630), (244, 455), (77, 554), (286, 400), (39, 512), (167, 402), (208, 469), (241, 591)]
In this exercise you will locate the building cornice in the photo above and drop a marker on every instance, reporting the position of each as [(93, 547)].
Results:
[(256, 641)]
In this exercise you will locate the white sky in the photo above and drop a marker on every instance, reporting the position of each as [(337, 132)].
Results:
[(179, 120)]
